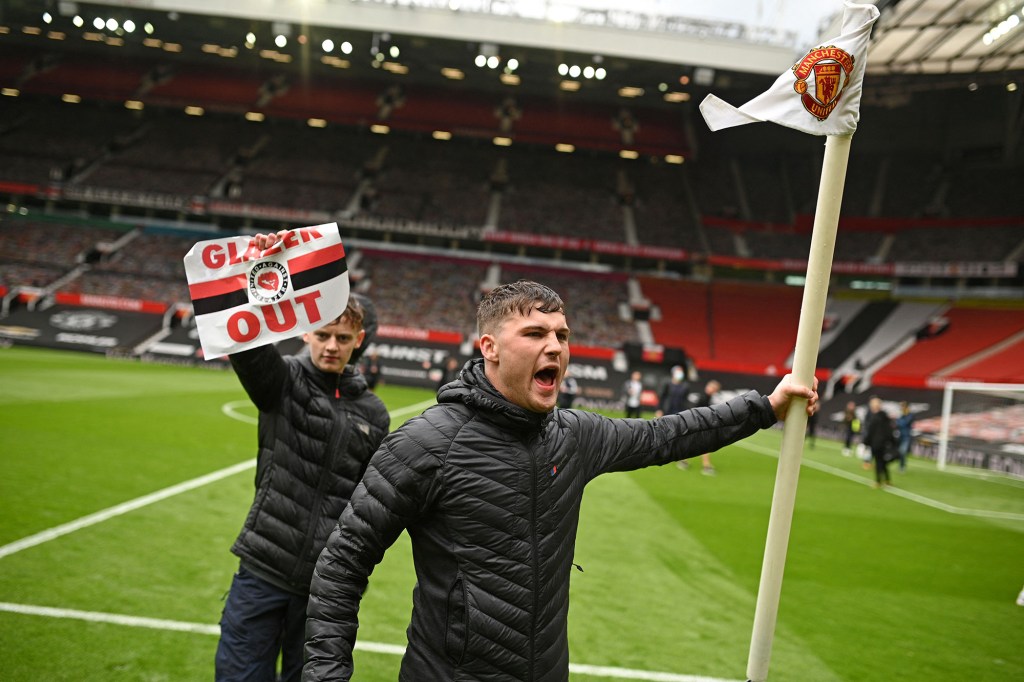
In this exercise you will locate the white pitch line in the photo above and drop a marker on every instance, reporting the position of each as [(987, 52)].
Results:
[(230, 409), (123, 508), (111, 618), (913, 497), (371, 647), (418, 407), (139, 502)]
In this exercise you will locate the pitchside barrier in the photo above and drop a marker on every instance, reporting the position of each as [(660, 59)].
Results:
[(83, 328)]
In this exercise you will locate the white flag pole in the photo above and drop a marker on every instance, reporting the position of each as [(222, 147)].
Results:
[(808, 338)]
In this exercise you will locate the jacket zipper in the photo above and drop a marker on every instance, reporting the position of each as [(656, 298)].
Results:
[(318, 499), (536, 560)]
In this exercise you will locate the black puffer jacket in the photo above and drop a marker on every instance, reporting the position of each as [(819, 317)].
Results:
[(491, 496), (317, 431)]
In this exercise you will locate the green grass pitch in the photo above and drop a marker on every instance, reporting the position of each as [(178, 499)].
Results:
[(915, 583)]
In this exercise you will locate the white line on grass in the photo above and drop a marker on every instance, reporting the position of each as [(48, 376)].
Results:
[(123, 508), (231, 410), (228, 409), (913, 497), (372, 647), (409, 409)]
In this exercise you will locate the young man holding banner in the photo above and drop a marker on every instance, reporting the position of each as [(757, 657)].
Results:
[(318, 427), (318, 422), (489, 484)]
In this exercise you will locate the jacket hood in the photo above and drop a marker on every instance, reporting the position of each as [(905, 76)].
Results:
[(350, 383), (475, 390), (369, 326)]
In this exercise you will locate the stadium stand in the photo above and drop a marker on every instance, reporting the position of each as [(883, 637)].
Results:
[(175, 154), (51, 243), (562, 194), (729, 203), (97, 78), (970, 331), (953, 242), (150, 255), (423, 292), (211, 86), (14, 274), (663, 208), (44, 142), (754, 325), (594, 302), (140, 287), (434, 181), (1001, 363), (281, 170), (688, 329)]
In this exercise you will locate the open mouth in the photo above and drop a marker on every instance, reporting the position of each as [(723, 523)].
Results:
[(546, 377)]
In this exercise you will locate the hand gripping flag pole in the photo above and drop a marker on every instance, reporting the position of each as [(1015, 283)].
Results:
[(820, 96)]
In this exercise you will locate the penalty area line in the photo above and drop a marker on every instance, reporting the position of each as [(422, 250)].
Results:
[(369, 647)]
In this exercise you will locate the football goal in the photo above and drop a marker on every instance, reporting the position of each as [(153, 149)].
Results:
[(982, 424)]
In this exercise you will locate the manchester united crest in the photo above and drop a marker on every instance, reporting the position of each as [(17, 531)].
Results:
[(831, 68)]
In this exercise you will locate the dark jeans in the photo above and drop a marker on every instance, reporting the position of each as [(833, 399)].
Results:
[(904, 451), (259, 622), (881, 466)]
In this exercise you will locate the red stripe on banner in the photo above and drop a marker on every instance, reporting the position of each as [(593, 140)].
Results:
[(216, 287), (323, 256)]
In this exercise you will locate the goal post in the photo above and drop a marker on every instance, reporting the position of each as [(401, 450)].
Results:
[(1014, 399)]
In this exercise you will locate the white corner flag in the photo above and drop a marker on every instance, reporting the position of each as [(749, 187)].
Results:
[(243, 297), (820, 95)]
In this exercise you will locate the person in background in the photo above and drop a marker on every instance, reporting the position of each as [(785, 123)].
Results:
[(371, 368), (878, 437), (674, 398), (905, 426), (489, 484), (318, 427), (851, 427), (451, 371), (675, 395), (633, 391), (704, 400), (568, 391), (812, 430)]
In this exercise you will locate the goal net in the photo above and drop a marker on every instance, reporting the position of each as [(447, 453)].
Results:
[(981, 426)]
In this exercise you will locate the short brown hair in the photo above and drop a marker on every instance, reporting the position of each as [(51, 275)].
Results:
[(354, 313), (518, 297)]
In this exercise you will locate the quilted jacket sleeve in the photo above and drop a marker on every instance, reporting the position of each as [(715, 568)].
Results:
[(262, 372), (627, 444), (395, 489)]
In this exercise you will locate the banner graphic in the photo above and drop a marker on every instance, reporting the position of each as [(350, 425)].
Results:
[(243, 297)]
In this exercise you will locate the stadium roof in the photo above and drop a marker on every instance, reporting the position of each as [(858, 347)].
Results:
[(948, 36), (917, 44)]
